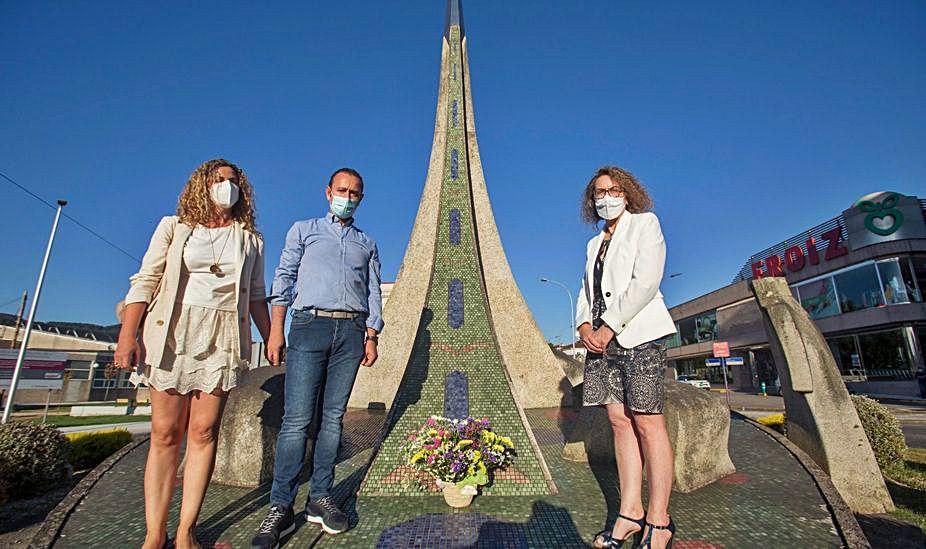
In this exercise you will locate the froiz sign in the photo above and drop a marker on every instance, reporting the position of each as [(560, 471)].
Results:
[(796, 257), (878, 214)]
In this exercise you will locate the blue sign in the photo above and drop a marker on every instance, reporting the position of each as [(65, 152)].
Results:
[(735, 361), (712, 362)]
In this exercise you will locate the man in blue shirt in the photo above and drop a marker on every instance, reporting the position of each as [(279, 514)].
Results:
[(329, 274)]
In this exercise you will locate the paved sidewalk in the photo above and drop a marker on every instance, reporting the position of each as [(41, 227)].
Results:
[(770, 501)]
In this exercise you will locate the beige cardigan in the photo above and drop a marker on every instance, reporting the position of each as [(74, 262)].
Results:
[(157, 283)]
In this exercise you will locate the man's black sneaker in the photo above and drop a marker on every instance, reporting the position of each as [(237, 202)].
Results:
[(325, 512), (278, 523)]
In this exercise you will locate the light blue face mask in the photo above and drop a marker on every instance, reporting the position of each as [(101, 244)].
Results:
[(342, 207)]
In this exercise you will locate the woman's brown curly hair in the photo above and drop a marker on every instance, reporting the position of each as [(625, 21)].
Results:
[(195, 206), (638, 200)]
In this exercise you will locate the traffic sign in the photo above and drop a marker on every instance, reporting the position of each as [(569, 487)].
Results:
[(721, 349), (735, 361), (712, 362)]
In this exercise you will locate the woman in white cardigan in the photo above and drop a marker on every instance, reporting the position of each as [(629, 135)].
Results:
[(200, 283), (620, 316)]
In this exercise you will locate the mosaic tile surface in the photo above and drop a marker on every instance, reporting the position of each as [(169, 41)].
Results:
[(456, 333), (770, 502)]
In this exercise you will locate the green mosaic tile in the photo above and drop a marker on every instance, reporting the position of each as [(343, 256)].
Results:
[(770, 501), (441, 348)]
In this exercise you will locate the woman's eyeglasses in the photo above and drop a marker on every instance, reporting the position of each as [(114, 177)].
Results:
[(614, 191)]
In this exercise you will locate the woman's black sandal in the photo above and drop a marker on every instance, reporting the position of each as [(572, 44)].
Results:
[(613, 543), (647, 542)]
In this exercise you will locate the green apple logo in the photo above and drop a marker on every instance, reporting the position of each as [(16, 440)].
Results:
[(883, 219)]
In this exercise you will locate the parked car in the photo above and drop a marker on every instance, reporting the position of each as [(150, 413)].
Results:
[(699, 383)]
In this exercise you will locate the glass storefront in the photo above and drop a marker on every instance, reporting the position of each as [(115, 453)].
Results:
[(858, 288), (706, 326), (765, 371), (694, 329), (919, 276), (819, 298), (893, 282), (873, 284), (687, 331), (885, 356), (848, 359), (873, 356)]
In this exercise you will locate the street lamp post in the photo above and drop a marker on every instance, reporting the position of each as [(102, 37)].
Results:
[(572, 312), (35, 301)]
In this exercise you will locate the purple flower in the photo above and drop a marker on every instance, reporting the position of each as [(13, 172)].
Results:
[(456, 466)]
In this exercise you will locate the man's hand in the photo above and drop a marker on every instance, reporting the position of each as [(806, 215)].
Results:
[(587, 334), (370, 353), (275, 347)]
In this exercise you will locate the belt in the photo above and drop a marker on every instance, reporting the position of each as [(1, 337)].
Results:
[(335, 314)]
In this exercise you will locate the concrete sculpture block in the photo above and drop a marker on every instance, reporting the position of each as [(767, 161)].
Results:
[(699, 428), (821, 418), (250, 424)]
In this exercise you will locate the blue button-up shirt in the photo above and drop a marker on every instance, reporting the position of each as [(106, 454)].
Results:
[(329, 265)]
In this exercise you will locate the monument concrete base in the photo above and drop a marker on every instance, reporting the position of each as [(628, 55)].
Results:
[(699, 428), (250, 424)]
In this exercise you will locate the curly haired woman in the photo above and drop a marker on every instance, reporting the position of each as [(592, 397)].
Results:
[(200, 283), (620, 316)]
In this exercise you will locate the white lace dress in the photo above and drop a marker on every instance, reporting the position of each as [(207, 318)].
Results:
[(202, 347)]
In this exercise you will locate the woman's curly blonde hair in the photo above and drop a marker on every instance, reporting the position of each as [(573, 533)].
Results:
[(638, 200), (195, 206)]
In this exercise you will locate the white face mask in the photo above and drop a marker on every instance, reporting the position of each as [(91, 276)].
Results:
[(609, 207), (224, 194)]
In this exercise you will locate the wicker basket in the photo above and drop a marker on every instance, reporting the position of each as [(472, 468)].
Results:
[(454, 497)]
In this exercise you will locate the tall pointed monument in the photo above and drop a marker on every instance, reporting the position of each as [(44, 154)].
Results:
[(459, 338)]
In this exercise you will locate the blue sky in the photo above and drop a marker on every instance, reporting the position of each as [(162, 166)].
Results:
[(749, 122)]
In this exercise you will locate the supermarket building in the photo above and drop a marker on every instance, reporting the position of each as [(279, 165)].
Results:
[(860, 275)]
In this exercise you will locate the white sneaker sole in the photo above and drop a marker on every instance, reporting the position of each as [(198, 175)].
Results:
[(318, 520)]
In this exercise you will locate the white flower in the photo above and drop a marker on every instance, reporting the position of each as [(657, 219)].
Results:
[(468, 490)]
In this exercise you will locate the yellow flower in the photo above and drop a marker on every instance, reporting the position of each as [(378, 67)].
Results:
[(498, 448), (477, 455), (463, 444), (419, 455), (506, 441)]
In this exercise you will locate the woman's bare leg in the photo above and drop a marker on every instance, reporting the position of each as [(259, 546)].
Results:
[(168, 424), (202, 433), (660, 468), (629, 470)]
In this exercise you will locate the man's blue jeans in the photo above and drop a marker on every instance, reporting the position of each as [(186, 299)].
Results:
[(319, 348)]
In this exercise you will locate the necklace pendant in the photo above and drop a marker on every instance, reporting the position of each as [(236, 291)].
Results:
[(214, 269)]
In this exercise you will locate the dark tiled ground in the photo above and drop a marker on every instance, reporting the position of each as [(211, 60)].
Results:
[(769, 502)]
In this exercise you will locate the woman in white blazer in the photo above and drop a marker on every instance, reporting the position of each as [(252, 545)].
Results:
[(620, 317), (200, 284)]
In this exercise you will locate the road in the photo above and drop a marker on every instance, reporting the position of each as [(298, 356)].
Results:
[(912, 418)]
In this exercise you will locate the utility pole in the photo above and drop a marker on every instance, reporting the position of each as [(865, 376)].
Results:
[(572, 313), (11, 396), (19, 319)]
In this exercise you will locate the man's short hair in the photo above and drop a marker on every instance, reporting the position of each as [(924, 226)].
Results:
[(349, 171)]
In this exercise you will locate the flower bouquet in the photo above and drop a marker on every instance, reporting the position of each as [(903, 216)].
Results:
[(458, 453)]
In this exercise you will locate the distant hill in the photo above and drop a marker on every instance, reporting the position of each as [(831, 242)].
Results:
[(80, 329)]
